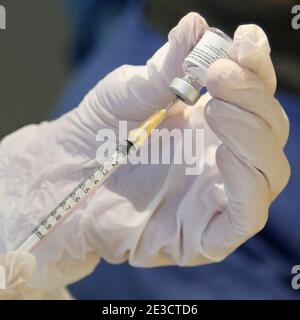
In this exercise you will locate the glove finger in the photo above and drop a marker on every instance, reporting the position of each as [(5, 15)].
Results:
[(133, 92), (247, 211), (20, 269), (249, 137), (251, 49), (230, 82)]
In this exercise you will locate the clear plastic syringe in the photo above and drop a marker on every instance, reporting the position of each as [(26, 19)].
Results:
[(213, 45), (135, 139)]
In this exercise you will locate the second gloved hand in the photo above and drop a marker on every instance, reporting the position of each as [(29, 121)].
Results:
[(16, 270)]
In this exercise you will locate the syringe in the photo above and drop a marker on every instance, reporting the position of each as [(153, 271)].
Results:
[(213, 45), (135, 139)]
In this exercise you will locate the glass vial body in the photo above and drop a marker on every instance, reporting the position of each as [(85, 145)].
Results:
[(213, 45)]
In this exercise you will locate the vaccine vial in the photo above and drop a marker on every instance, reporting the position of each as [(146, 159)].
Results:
[(213, 45)]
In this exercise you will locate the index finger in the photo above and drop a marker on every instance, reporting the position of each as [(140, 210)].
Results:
[(251, 50)]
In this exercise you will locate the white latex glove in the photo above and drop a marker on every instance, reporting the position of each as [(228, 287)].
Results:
[(18, 268), (253, 129), (152, 214)]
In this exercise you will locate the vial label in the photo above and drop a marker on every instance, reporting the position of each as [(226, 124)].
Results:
[(210, 48)]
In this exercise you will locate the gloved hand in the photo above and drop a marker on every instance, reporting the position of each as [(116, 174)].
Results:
[(253, 129), (17, 269), (153, 214)]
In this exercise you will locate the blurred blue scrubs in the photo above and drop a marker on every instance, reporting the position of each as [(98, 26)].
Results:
[(261, 268)]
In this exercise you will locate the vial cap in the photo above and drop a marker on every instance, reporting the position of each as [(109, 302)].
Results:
[(185, 91)]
